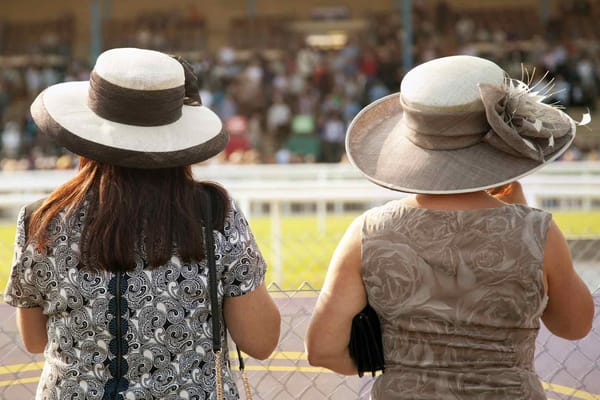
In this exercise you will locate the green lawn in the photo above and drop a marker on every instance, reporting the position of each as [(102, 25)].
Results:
[(306, 247), (7, 234)]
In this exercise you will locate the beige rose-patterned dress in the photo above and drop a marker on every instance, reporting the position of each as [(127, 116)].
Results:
[(459, 294)]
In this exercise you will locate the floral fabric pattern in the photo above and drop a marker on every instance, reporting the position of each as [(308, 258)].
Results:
[(165, 349), (459, 294)]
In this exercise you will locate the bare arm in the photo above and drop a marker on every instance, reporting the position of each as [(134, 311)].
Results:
[(570, 310), (31, 323), (343, 296), (253, 321)]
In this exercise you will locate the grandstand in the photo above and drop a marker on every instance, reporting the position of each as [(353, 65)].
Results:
[(286, 76)]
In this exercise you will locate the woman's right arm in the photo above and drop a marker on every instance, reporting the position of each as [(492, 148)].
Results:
[(251, 315), (31, 323), (570, 310), (253, 321)]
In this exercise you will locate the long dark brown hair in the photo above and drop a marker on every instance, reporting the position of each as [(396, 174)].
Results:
[(125, 208)]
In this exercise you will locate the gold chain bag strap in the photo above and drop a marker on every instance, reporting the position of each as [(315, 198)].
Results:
[(214, 304)]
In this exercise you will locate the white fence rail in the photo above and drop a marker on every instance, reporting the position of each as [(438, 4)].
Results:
[(560, 185), (319, 188)]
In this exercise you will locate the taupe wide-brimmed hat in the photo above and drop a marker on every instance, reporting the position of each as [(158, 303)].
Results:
[(459, 124), (140, 109)]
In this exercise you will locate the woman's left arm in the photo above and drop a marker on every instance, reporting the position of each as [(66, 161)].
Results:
[(31, 323), (342, 297), (23, 293)]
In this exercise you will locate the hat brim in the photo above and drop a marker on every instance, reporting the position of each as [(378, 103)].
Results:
[(61, 111), (376, 146)]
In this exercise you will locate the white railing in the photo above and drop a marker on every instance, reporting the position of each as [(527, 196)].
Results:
[(316, 184), (276, 187)]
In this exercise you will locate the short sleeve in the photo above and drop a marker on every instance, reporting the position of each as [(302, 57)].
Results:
[(244, 265), (21, 290)]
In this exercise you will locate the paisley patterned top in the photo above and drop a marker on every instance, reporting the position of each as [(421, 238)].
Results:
[(459, 294), (165, 351)]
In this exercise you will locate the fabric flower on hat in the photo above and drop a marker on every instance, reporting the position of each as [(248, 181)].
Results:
[(521, 124)]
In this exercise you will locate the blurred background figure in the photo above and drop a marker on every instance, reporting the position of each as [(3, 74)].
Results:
[(269, 64)]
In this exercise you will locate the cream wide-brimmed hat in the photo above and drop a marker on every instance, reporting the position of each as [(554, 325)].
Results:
[(459, 124), (140, 109)]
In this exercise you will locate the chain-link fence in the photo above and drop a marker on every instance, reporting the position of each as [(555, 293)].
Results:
[(568, 369)]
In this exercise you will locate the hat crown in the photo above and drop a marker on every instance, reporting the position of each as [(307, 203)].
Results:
[(449, 83), (139, 69)]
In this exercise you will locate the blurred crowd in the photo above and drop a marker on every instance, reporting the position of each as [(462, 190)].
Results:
[(293, 104)]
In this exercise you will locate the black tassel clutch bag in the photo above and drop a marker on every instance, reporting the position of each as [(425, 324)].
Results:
[(366, 343)]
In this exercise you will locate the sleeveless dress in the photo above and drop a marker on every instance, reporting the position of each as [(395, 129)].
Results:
[(459, 294)]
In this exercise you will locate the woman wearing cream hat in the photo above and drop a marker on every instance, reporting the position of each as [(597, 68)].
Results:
[(110, 276), (461, 273)]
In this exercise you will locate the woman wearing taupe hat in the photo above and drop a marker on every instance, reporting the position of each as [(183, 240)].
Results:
[(112, 277), (461, 273)]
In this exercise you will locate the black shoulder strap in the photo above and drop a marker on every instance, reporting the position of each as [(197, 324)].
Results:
[(212, 276), (212, 270)]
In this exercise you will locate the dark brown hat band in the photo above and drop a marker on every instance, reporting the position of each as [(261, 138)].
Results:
[(134, 107)]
